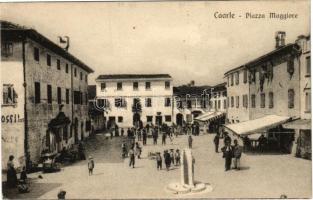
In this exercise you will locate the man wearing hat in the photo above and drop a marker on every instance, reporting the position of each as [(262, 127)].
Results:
[(91, 165)]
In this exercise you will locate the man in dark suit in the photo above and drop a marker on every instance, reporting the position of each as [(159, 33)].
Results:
[(227, 154), (216, 142)]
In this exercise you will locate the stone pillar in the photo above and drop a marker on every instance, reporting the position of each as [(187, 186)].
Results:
[(187, 168)]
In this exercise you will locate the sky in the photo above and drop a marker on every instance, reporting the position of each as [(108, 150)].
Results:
[(183, 39)]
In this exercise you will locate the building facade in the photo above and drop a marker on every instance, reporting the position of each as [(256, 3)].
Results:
[(132, 99), (189, 102), (275, 85), (218, 100), (44, 105), (237, 95)]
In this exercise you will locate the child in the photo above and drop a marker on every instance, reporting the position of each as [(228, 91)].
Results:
[(159, 161), (91, 165)]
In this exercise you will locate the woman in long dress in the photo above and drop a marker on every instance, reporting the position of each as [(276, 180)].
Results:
[(11, 174)]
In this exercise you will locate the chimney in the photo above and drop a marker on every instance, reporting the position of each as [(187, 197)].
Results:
[(280, 39)]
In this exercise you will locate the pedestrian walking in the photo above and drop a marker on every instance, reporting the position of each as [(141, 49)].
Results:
[(159, 161), (164, 138), (237, 154), (131, 155), (91, 165), (128, 133), (190, 142), (144, 136), (177, 157), (227, 155), (216, 142)]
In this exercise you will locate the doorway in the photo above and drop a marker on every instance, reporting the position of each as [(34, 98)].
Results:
[(179, 119)]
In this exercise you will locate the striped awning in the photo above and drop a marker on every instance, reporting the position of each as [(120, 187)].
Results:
[(210, 116)]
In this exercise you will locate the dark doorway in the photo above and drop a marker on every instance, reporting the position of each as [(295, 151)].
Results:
[(158, 120), (136, 119), (179, 119)]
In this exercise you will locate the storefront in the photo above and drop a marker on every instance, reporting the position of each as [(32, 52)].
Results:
[(265, 134)]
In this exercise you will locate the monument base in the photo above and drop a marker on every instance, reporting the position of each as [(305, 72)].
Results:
[(177, 188)]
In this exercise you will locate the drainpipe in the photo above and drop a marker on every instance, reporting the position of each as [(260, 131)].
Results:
[(72, 103), (26, 147)]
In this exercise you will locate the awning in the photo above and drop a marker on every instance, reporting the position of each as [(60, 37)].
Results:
[(210, 116), (304, 124), (256, 125)]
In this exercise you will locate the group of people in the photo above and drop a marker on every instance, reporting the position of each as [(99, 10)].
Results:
[(170, 158), (230, 152)]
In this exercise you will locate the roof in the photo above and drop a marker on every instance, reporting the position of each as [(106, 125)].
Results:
[(92, 92), (219, 87), (191, 90), (267, 57), (304, 124), (11, 30), (257, 125), (133, 76)]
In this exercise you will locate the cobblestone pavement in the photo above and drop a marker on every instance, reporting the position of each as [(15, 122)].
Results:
[(262, 176)]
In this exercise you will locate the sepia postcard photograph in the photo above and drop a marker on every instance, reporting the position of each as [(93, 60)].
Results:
[(156, 100)]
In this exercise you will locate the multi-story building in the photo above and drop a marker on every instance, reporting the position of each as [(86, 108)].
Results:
[(135, 99), (218, 100), (44, 96), (271, 91), (237, 92), (190, 101), (302, 126)]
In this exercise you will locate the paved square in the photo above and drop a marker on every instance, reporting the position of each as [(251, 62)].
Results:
[(262, 176)]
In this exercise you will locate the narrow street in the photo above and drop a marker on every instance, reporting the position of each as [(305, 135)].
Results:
[(261, 175)]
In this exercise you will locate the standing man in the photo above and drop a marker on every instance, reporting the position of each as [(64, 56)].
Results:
[(159, 161), (190, 142), (227, 154), (132, 157), (237, 154), (164, 138), (144, 136), (216, 142)]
